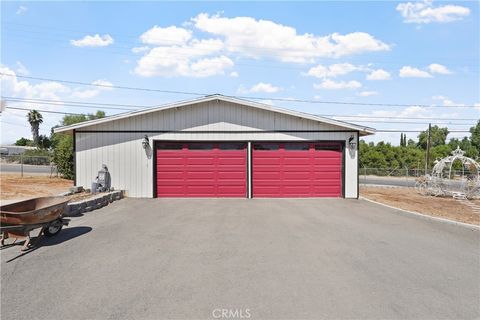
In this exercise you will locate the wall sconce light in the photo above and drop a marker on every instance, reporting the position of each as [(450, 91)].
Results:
[(352, 143), (145, 142)]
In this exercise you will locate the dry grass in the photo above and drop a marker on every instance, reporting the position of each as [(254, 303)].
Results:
[(16, 187), (409, 199)]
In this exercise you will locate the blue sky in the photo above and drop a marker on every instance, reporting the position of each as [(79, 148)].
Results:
[(374, 52)]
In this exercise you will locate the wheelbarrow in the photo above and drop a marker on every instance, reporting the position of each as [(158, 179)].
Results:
[(18, 219)]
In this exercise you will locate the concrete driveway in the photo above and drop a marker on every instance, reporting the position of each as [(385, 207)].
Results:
[(267, 259)]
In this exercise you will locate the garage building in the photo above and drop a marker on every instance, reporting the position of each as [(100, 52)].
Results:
[(219, 146)]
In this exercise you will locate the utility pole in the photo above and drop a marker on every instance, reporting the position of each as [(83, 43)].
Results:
[(427, 154)]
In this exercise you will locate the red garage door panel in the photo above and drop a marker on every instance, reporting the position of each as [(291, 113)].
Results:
[(297, 170), (201, 170)]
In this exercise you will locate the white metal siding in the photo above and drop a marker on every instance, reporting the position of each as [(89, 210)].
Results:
[(131, 166)]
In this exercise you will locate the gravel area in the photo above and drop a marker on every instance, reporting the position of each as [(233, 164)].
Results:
[(409, 199)]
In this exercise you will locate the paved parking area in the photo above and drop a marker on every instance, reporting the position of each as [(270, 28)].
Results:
[(275, 258)]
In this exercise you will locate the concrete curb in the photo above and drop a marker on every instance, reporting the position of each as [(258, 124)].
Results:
[(383, 186), (76, 208), (426, 217)]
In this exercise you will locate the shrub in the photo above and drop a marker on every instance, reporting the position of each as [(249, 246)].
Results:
[(63, 155)]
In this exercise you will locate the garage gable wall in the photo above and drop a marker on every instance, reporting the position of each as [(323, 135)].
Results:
[(214, 115)]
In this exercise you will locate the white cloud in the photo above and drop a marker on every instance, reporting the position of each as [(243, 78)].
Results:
[(21, 10), (414, 112), (268, 101), (13, 87), (332, 85), (210, 66), (166, 36), (85, 94), (332, 71), (379, 74), (260, 87), (93, 41), (409, 112), (448, 103), (140, 49), (425, 12), (21, 69), (260, 38), (368, 93), (192, 59), (105, 85), (174, 51), (234, 74), (16, 88), (438, 68), (102, 85), (410, 72)]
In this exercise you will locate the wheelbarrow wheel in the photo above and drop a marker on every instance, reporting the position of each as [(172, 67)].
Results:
[(52, 229)]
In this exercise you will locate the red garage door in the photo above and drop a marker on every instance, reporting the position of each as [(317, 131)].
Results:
[(297, 170), (201, 169)]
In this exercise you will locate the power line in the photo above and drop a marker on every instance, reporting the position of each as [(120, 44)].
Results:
[(103, 85), (46, 111), (139, 107), (78, 102), (99, 106), (399, 131), (238, 97), (391, 117), (352, 103), (73, 104), (416, 122), (13, 124), (380, 130)]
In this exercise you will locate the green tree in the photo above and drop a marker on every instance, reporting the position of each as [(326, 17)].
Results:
[(63, 155), (35, 119), (43, 142), (403, 140), (475, 135), (438, 136), (63, 143), (24, 142)]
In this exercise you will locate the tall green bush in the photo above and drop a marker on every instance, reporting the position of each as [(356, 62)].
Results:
[(63, 155), (62, 144)]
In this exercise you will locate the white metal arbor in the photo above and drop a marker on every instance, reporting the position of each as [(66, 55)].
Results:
[(445, 181)]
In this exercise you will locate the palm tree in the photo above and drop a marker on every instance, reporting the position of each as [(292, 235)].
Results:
[(35, 118)]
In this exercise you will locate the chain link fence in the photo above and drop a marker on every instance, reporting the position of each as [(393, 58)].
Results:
[(399, 176), (22, 165)]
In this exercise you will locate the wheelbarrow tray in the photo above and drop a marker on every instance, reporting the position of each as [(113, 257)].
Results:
[(33, 211), (18, 219)]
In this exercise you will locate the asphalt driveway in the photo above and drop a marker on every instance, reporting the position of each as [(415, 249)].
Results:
[(268, 259)]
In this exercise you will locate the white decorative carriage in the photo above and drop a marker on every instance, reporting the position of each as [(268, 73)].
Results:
[(446, 181)]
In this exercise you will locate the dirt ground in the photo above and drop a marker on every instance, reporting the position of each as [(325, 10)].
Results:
[(409, 199), (16, 187)]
